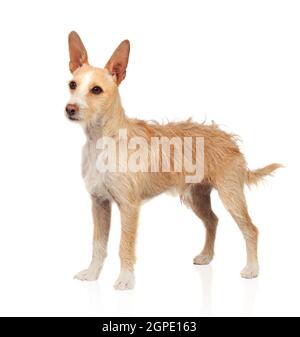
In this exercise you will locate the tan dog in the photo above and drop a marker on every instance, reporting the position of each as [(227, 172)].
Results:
[(95, 103)]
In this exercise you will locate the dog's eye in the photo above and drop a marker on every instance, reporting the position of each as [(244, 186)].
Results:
[(96, 90), (72, 85)]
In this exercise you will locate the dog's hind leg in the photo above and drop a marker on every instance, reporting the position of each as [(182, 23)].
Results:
[(231, 191), (201, 205)]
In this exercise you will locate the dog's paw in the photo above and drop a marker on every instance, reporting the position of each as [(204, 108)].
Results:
[(250, 271), (202, 259), (90, 274), (125, 280)]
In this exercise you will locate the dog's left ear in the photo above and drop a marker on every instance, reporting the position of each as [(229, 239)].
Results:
[(78, 53), (117, 64)]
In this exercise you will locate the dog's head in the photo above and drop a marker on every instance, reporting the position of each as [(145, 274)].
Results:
[(93, 90)]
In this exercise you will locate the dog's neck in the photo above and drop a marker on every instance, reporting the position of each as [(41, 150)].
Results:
[(108, 125)]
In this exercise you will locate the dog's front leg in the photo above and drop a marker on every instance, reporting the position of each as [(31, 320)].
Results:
[(129, 222), (101, 217)]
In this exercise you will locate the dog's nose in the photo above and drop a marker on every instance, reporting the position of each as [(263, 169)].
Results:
[(71, 109)]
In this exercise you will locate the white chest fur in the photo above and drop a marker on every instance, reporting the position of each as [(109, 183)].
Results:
[(94, 180)]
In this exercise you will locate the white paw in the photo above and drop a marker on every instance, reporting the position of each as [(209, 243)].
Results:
[(250, 271), (125, 280), (202, 259), (90, 274)]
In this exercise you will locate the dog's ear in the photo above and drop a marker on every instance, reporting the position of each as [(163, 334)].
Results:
[(78, 54), (117, 64)]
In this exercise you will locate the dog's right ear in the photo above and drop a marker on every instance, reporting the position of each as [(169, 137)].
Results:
[(78, 54), (117, 64)]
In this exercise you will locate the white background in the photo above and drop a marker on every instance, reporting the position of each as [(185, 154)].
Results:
[(234, 62)]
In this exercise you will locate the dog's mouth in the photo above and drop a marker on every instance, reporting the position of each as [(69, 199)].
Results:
[(73, 118)]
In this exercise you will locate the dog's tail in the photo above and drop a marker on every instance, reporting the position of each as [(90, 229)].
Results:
[(253, 177)]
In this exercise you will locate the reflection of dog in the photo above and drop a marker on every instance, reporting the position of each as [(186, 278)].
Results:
[(95, 103)]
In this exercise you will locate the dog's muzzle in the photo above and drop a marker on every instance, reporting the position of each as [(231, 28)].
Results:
[(72, 110)]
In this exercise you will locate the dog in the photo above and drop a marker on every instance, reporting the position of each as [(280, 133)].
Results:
[(95, 103)]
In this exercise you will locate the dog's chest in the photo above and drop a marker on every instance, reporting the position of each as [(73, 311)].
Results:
[(93, 179)]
